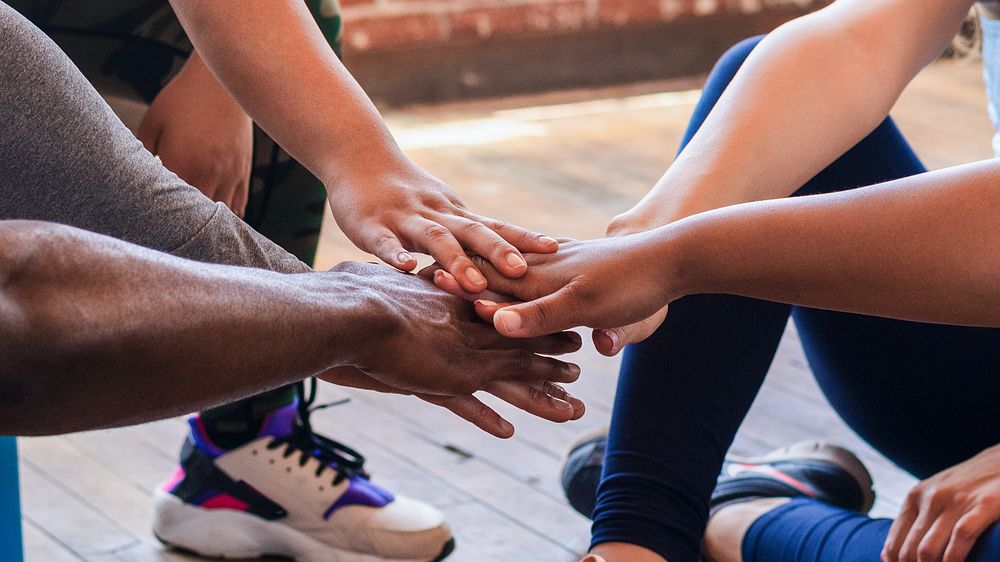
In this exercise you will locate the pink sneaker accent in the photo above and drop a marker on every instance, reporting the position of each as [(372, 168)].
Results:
[(225, 501), (169, 485)]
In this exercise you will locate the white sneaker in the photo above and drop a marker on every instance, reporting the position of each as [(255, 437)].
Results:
[(291, 493)]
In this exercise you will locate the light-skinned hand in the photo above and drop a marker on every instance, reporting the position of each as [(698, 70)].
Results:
[(395, 208), (944, 515), (201, 134)]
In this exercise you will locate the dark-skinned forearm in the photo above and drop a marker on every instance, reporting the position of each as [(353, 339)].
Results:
[(99, 333), (923, 248)]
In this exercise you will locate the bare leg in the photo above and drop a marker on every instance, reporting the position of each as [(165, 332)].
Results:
[(726, 529), (621, 552)]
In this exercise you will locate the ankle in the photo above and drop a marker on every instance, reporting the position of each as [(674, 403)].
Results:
[(729, 525), (622, 552)]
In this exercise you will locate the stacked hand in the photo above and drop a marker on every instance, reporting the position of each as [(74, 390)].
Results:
[(424, 343), (601, 284), (391, 209), (419, 340)]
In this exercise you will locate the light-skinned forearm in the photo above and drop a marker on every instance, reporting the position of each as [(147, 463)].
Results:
[(809, 91), (97, 332), (274, 60), (923, 248)]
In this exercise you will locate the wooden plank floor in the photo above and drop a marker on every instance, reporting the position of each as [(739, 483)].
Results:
[(564, 164)]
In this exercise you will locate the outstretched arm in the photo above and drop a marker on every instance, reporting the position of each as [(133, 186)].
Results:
[(808, 92), (97, 332), (273, 59), (922, 248)]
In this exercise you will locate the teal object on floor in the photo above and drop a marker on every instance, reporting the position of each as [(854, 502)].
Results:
[(11, 547)]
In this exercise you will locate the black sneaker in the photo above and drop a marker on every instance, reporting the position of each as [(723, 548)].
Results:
[(581, 472), (810, 469)]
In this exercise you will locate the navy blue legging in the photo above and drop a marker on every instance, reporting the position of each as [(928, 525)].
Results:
[(927, 396)]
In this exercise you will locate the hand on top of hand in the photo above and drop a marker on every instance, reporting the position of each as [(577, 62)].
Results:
[(944, 516), (201, 134), (420, 340), (600, 284), (404, 209)]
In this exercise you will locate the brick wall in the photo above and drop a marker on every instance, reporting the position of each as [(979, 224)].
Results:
[(474, 40), (393, 24)]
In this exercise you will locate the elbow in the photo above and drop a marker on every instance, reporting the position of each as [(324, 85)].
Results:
[(27, 372), (30, 366), (31, 382)]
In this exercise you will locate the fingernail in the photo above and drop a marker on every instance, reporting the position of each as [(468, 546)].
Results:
[(603, 335), (486, 303), (510, 320), (572, 369), (613, 336), (577, 339), (516, 261), (473, 275), (506, 426), (404, 257), (547, 240), (560, 405)]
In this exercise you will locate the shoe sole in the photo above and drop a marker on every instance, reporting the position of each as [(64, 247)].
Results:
[(232, 534), (821, 451)]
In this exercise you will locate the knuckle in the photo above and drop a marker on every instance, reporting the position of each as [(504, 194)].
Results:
[(470, 386), (536, 393), (436, 232), (498, 245), (926, 552), (555, 390), (543, 313), (474, 228), (523, 361), (965, 531), (914, 496), (384, 239), (481, 414), (939, 496)]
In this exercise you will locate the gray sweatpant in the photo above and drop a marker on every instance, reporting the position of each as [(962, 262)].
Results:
[(65, 157)]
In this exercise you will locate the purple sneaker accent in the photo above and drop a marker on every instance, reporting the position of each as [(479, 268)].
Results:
[(277, 423), (280, 422), (201, 439), (360, 492)]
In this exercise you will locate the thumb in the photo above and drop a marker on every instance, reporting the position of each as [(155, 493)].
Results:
[(547, 315), (386, 245)]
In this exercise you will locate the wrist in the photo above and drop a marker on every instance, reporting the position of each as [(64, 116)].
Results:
[(346, 319), (331, 323), (680, 270), (381, 160)]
